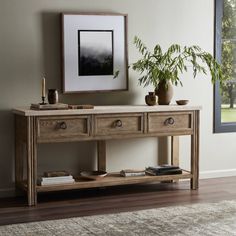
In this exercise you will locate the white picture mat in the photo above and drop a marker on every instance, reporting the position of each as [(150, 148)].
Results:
[(72, 81)]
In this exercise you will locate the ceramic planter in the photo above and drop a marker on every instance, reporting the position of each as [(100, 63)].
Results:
[(164, 92)]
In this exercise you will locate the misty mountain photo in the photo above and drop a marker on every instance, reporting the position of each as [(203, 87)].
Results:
[(95, 52)]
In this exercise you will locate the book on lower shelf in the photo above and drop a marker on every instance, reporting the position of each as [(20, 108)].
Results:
[(56, 173), (68, 179), (130, 172), (164, 170)]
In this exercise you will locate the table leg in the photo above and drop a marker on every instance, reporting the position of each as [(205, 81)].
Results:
[(31, 162), (195, 152), (18, 162), (162, 150), (101, 155), (175, 150)]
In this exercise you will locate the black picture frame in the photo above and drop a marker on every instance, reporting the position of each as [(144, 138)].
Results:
[(86, 64)]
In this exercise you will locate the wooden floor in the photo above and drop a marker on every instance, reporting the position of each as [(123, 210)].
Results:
[(115, 199)]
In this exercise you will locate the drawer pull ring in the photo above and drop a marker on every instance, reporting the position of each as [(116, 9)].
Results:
[(62, 125), (118, 123), (169, 121)]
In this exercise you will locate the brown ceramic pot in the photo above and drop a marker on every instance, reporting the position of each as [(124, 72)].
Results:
[(164, 92), (151, 99), (52, 96)]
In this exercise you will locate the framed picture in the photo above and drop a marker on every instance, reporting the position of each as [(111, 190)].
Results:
[(94, 49)]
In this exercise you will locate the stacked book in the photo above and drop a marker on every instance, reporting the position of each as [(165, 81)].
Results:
[(129, 173), (56, 177), (164, 170), (57, 106)]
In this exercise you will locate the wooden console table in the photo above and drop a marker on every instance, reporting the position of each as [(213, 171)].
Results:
[(101, 123)]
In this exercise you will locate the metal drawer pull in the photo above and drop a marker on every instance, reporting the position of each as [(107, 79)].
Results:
[(62, 125), (118, 123), (169, 121)]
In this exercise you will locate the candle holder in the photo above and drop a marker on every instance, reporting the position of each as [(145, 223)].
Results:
[(43, 101)]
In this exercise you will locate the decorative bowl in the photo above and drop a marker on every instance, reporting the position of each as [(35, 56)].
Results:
[(182, 102), (93, 175)]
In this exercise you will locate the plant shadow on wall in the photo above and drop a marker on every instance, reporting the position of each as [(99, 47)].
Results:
[(163, 69)]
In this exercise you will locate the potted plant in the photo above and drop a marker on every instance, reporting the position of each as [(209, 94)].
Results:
[(163, 69)]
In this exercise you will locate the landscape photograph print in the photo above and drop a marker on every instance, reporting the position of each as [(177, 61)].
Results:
[(95, 52)]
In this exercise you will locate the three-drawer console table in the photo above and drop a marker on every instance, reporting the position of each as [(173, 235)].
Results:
[(101, 123)]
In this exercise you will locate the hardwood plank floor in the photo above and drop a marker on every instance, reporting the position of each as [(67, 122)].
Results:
[(115, 199)]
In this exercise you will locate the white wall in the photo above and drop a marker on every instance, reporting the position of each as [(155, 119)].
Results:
[(30, 48)]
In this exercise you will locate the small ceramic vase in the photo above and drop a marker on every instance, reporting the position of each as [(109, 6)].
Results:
[(52, 96), (151, 99)]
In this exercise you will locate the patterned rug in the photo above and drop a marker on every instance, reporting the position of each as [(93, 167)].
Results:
[(198, 219)]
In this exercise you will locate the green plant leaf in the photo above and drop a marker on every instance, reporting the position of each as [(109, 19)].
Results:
[(168, 66)]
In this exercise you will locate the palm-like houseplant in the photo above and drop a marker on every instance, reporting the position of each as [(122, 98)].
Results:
[(161, 69)]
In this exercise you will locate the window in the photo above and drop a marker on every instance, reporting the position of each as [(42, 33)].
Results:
[(225, 53)]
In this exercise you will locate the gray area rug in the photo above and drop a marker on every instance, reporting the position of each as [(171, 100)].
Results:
[(198, 219)]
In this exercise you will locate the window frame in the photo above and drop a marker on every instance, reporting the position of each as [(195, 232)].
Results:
[(219, 127)]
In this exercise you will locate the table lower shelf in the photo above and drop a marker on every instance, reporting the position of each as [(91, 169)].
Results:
[(111, 179)]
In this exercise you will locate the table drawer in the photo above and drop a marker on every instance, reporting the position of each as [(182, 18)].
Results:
[(56, 128), (169, 122), (118, 124)]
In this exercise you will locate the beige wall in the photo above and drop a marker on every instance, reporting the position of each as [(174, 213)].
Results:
[(30, 48)]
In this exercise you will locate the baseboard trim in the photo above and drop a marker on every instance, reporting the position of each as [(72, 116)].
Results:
[(7, 192), (217, 173)]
